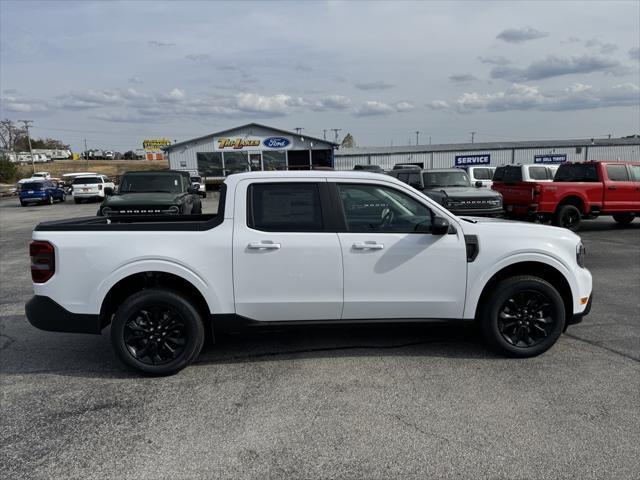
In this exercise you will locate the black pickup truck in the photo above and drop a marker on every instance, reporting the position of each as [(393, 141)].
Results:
[(166, 192), (452, 188)]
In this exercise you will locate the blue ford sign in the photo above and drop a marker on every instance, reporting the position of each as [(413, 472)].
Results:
[(276, 142), (464, 160), (550, 158)]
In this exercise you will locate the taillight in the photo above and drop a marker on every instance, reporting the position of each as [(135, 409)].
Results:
[(537, 190), (100, 187), (43, 261)]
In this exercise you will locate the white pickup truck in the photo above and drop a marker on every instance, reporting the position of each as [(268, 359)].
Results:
[(299, 248)]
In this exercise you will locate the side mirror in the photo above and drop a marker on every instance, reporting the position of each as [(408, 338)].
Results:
[(440, 226), (478, 184)]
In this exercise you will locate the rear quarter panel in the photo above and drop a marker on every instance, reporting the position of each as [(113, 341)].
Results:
[(554, 193)]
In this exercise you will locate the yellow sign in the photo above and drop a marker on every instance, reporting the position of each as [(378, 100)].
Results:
[(155, 143), (237, 143)]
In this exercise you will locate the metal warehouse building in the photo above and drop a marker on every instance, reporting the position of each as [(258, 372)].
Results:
[(250, 147), (493, 153)]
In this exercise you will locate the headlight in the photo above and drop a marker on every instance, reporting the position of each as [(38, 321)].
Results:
[(580, 254), (174, 210)]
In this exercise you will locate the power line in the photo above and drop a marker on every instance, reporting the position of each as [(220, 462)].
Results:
[(336, 130)]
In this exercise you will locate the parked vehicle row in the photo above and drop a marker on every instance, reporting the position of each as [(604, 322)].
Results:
[(578, 191)]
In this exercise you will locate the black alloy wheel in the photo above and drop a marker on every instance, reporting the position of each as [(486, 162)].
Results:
[(157, 331), (155, 335), (525, 318), (522, 316), (568, 216)]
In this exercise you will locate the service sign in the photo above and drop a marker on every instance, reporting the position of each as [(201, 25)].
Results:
[(470, 160), (550, 158), (225, 144), (155, 144)]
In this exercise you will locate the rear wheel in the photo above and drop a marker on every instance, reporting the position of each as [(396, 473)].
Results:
[(24, 204), (523, 317), (623, 219), (63, 198), (77, 200), (567, 216), (157, 332)]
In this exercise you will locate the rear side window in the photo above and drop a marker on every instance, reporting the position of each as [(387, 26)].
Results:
[(285, 207), (482, 173), (618, 173), (86, 180), (577, 173), (538, 173)]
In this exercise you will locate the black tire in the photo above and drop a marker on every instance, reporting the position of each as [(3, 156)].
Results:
[(24, 204), (64, 198), (523, 316), (624, 219), (49, 199), (567, 216), (178, 338), (77, 200), (197, 210)]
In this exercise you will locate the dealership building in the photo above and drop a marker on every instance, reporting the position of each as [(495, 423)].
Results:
[(491, 153), (247, 148)]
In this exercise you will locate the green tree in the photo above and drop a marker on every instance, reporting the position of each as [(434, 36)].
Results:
[(8, 170), (348, 141)]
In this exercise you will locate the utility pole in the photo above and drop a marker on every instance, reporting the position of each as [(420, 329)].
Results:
[(27, 124), (417, 136), (86, 155), (299, 130), (429, 139), (324, 133), (336, 130), (473, 135)]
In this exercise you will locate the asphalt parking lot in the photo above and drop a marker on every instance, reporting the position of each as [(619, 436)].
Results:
[(383, 402)]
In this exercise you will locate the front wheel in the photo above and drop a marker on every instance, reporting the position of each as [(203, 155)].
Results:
[(77, 200), (567, 216), (523, 316), (157, 332), (623, 219), (50, 199)]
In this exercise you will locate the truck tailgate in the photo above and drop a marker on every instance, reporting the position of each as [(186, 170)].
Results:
[(516, 196)]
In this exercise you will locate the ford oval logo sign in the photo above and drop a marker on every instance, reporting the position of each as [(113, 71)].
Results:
[(276, 142)]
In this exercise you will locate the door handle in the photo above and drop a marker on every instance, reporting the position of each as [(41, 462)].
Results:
[(264, 245), (611, 187), (368, 246)]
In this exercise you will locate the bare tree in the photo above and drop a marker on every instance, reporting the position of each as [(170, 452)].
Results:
[(9, 134), (348, 141)]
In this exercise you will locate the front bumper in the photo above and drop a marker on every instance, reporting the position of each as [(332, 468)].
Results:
[(577, 317), (45, 314)]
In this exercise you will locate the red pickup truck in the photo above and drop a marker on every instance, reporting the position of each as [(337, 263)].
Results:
[(578, 191)]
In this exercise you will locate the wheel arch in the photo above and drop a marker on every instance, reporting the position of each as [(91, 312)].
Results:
[(532, 268), (136, 282), (576, 200)]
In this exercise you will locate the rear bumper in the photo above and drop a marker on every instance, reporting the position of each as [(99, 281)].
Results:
[(33, 199), (45, 314)]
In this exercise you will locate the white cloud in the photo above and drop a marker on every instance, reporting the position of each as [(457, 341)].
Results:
[(332, 102), (12, 101), (553, 66), (175, 95), (634, 53), (577, 96), (135, 80), (279, 104), (404, 106), (89, 99), (374, 107), (600, 46), (377, 85), (495, 60)]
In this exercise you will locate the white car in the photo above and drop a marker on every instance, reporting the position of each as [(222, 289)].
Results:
[(307, 247), (481, 176), (198, 182), (525, 173), (91, 187), (42, 175)]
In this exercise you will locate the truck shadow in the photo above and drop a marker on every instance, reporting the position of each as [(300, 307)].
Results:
[(33, 352)]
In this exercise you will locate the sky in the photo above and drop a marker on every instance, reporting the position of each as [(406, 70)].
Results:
[(117, 72)]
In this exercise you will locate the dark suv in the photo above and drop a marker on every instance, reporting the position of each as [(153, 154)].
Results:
[(167, 192), (452, 188)]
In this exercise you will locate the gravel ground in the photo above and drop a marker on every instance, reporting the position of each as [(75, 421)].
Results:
[(369, 402)]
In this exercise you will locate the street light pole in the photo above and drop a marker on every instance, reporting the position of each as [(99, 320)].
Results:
[(86, 155), (26, 127)]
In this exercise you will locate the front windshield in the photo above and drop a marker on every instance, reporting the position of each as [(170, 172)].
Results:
[(151, 183), (446, 179)]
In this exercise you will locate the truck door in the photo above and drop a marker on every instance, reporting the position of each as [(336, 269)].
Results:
[(392, 271), (619, 190), (634, 168), (287, 262)]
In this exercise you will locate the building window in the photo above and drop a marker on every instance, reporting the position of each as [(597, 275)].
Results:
[(274, 160), (235, 162), (209, 164)]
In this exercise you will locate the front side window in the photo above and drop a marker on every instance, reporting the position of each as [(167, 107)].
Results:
[(446, 179), (285, 207), (374, 208), (483, 173), (635, 172), (617, 173)]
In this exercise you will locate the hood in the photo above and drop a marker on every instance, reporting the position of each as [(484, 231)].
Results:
[(518, 228), (465, 192), (143, 199)]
